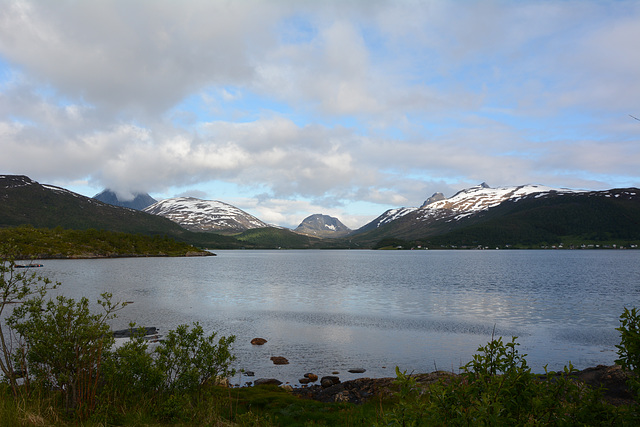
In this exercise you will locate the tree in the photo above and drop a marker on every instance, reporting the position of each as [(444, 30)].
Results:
[(15, 287)]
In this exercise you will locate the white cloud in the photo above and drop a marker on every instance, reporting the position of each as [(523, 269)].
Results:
[(330, 103)]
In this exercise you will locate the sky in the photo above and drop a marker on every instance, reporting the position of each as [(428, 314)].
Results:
[(289, 108)]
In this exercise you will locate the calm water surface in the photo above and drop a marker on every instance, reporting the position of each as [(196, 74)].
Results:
[(334, 310)]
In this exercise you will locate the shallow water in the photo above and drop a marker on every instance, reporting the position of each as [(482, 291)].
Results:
[(329, 311)]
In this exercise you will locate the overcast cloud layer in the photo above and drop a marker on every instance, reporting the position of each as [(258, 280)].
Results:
[(289, 108)]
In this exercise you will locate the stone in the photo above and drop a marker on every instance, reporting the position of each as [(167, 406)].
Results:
[(304, 380), (343, 396), (286, 387), (328, 381), (357, 370), (258, 341), (311, 377), (249, 373), (266, 381), (279, 360)]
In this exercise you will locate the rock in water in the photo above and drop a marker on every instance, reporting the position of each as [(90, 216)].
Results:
[(279, 360), (311, 377)]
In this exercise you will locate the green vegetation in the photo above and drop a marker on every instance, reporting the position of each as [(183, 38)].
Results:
[(60, 367), (275, 238), (60, 243), (392, 243), (497, 388), (629, 348)]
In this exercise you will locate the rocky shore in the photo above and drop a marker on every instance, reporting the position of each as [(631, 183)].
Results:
[(612, 380)]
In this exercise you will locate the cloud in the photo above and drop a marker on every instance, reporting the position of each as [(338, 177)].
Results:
[(320, 106), (136, 55)]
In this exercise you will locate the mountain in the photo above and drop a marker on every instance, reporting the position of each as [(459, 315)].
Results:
[(27, 202), (609, 217), (205, 215), (319, 225), (527, 214), (441, 210), (139, 202)]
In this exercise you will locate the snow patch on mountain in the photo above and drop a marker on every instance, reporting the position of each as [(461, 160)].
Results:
[(469, 201), (205, 215)]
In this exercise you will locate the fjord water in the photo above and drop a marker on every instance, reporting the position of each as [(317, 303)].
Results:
[(329, 311)]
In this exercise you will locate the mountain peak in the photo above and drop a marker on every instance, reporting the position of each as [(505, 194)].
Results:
[(436, 197), (139, 201), (9, 181), (319, 225), (205, 215)]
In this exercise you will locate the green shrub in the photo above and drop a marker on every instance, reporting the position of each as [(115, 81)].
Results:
[(497, 388), (63, 344), (629, 348), (15, 287), (189, 359), (130, 371)]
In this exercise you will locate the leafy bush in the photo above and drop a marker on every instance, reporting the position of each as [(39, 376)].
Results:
[(15, 287), (629, 355), (629, 348), (189, 359), (130, 371), (497, 388), (62, 345)]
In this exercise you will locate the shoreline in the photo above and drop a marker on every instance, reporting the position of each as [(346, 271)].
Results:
[(611, 379)]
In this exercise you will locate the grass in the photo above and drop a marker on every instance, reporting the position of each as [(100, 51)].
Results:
[(213, 406)]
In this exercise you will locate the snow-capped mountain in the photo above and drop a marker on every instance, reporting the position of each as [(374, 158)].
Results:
[(319, 225), (464, 203), (205, 215)]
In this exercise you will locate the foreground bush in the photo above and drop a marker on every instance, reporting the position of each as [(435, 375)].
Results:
[(497, 388)]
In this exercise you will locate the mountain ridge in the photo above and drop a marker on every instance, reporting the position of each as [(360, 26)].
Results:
[(526, 215), (465, 202)]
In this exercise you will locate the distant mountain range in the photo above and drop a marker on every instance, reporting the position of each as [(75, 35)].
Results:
[(519, 216)]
